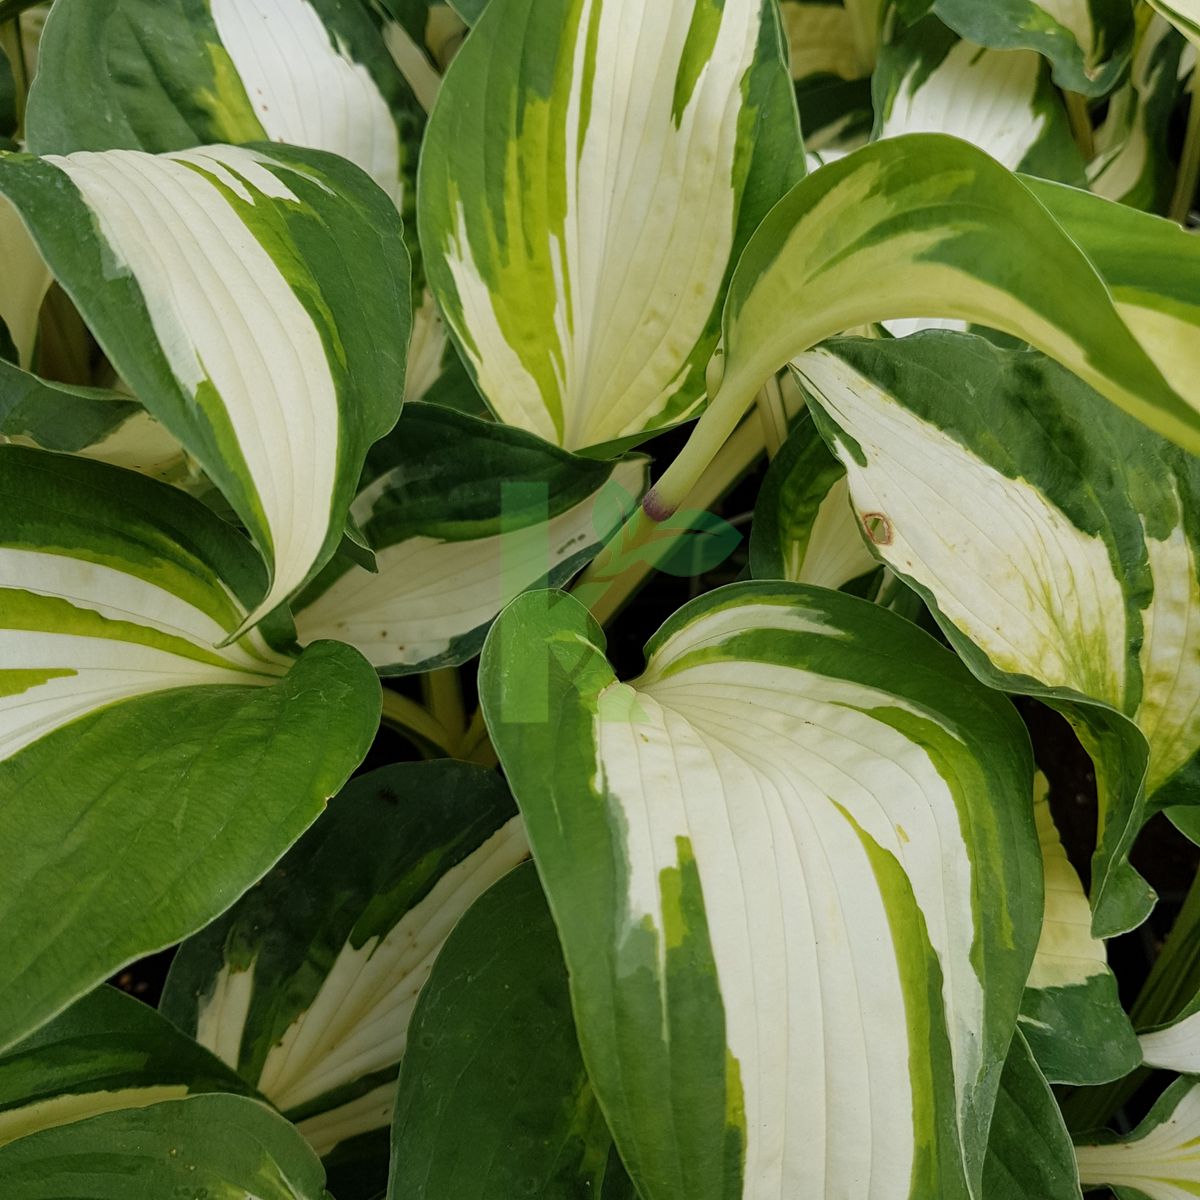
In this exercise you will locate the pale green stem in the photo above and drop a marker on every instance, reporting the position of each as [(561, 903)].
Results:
[(1189, 164), (443, 697), (476, 746), (635, 539), (714, 428), (605, 590), (772, 415), (10, 43), (417, 724), (1081, 125), (411, 62)]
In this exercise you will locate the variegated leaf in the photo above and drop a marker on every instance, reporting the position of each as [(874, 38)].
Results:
[(494, 1058), (1159, 1160), (98, 423), (1029, 1149), (805, 529), (590, 174), (114, 590), (1152, 269), (1132, 164), (1071, 1014), (280, 397), (312, 73), (307, 985), (1087, 41), (1183, 14), (757, 1022), (931, 81), (215, 1147), (105, 1053), (140, 443), (453, 388), (927, 226), (491, 511), (58, 416), (1062, 561), (162, 75)]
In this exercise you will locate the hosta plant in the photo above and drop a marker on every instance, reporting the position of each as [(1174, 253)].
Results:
[(376, 376)]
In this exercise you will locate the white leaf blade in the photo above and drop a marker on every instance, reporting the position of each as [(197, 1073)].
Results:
[(589, 319), (229, 307), (429, 593), (227, 318), (306, 89), (793, 897), (315, 1012), (1159, 1159)]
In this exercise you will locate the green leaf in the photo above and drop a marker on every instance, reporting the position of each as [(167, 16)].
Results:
[(469, 10), (1152, 268), (1159, 1160), (99, 423), (805, 529), (307, 985), (134, 756), (106, 1052), (214, 1146), (59, 416), (162, 75), (926, 226), (755, 1022), (586, 308), (489, 512), (1054, 539), (1132, 162), (1087, 41), (930, 81), (279, 400), (494, 1101), (1071, 1015), (1029, 1150)]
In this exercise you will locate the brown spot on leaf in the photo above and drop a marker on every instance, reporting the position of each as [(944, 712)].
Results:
[(878, 528)]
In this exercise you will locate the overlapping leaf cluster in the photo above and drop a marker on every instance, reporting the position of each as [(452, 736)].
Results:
[(337, 337)]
